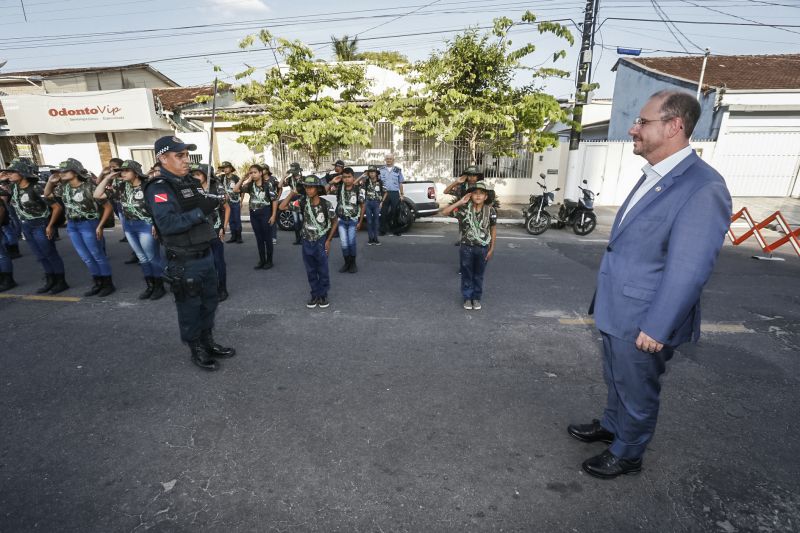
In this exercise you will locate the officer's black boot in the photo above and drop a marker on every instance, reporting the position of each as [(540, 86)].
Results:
[(107, 286), (13, 251), (222, 292), (268, 264), (261, 262), (7, 281), (60, 284), (353, 268), (200, 357), (346, 265), (212, 348), (158, 289), (233, 237), (239, 237), (148, 291), (50, 280), (98, 284)]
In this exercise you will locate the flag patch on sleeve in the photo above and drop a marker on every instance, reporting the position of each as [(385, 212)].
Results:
[(160, 198)]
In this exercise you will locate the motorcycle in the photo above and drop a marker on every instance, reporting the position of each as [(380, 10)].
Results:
[(580, 215), (537, 219)]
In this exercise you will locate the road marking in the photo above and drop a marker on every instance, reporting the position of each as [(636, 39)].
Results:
[(705, 327), (518, 238), (423, 236), (604, 241), (41, 298)]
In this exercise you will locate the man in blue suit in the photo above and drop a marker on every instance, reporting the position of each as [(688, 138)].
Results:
[(663, 246)]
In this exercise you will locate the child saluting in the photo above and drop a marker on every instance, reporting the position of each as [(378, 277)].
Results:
[(478, 225), (319, 226)]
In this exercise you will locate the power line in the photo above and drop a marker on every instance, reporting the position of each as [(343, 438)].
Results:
[(777, 27)]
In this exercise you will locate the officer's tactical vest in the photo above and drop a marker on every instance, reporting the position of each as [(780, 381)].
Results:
[(198, 237)]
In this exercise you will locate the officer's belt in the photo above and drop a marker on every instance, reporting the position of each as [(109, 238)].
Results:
[(174, 255)]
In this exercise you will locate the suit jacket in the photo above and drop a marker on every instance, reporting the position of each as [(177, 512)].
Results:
[(660, 257)]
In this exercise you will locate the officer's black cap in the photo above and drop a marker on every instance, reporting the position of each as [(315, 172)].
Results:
[(170, 143)]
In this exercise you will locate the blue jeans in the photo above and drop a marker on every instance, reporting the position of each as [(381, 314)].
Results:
[(235, 222), (218, 251), (5, 261), (12, 229), (347, 234), (633, 381), (83, 237), (261, 227), (43, 248), (373, 215), (316, 262), (473, 265), (145, 246)]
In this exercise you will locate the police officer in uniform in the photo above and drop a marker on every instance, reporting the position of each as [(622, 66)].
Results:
[(181, 212)]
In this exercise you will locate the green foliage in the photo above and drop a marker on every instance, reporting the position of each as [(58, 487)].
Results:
[(467, 91), (345, 48), (388, 59), (311, 106)]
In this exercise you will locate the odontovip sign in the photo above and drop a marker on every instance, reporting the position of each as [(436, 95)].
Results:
[(95, 111)]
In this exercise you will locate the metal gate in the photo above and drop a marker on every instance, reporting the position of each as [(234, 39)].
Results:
[(758, 163)]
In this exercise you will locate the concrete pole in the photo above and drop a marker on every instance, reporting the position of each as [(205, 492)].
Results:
[(702, 74)]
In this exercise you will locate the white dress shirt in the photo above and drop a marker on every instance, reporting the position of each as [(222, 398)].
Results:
[(654, 173)]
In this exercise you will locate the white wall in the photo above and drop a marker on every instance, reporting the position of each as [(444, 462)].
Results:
[(80, 146), (124, 141)]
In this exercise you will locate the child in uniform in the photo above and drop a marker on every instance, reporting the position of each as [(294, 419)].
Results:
[(319, 226), (478, 225)]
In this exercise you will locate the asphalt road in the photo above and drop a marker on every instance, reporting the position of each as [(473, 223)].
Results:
[(394, 409)]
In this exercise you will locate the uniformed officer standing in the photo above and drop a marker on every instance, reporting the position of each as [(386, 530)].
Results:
[(392, 178), (180, 213)]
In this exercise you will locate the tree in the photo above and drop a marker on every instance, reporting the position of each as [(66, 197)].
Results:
[(345, 48), (387, 59), (313, 107), (467, 92)]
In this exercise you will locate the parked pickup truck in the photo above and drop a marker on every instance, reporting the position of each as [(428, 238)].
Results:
[(420, 196)]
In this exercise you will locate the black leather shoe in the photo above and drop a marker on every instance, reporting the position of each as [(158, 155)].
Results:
[(260, 265), (201, 358), (593, 432), (608, 466), (213, 349)]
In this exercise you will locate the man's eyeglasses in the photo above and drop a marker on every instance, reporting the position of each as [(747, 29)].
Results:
[(639, 121)]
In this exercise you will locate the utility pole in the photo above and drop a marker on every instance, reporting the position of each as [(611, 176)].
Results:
[(584, 76), (211, 134), (702, 73)]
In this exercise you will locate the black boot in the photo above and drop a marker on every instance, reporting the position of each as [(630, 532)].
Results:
[(260, 265), (222, 292), (239, 237), (60, 284), (158, 289), (98, 284), (133, 260), (346, 265), (7, 281), (148, 291), (233, 237), (107, 287), (13, 251), (353, 268), (50, 280), (200, 357), (212, 348), (268, 264)]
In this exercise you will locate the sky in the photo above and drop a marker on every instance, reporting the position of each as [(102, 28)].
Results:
[(75, 33)]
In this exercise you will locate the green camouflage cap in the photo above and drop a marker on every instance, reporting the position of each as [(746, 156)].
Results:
[(130, 164), (226, 164), (24, 167), (481, 186), (372, 168), (202, 168), (312, 181), (295, 169), (73, 165), (471, 170)]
